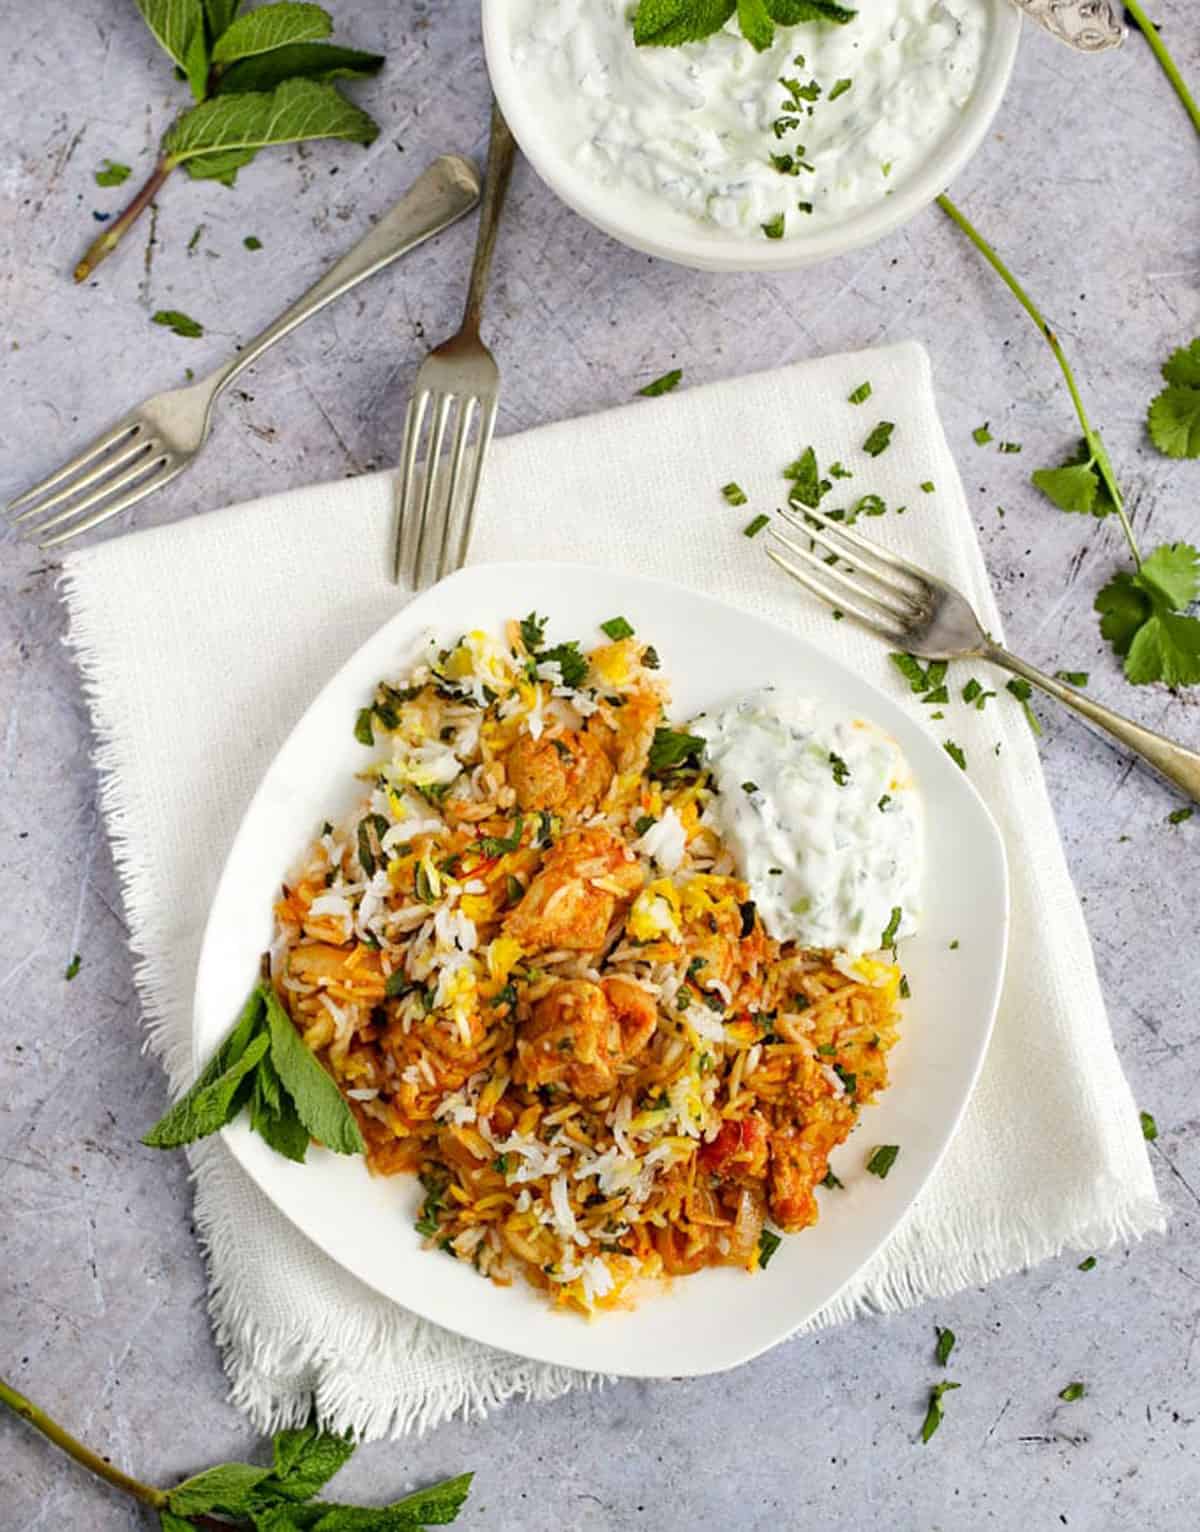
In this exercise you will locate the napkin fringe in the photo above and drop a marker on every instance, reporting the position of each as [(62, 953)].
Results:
[(1017, 1242)]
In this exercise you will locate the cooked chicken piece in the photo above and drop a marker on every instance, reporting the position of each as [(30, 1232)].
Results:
[(354, 967), (581, 1031), (627, 732), (739, 1151), (566, 772), (571, 901), (799, 1159)]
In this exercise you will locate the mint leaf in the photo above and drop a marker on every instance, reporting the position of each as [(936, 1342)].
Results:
[(756, 25), (271, 26), (790, 13), (229, 1487), (222, 167), (196, 65), (275, 1121), (436, 1506), (666, 23), (179, 323), (314, 61), (1174, 421), (169, 1522), (220, 13), (112, 174), (318, 1102), (1071, 488), (1183, 366), (207, 1107), (237, 125), (305, 1460), (173, 22)]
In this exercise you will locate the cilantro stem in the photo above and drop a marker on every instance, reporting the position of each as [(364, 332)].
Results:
[(106, 242), (1169, 67), (40, 1421), (1099, 457)]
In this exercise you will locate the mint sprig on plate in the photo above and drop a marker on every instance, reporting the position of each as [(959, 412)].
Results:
[(668, 23), (257, 79), (263, 1065)]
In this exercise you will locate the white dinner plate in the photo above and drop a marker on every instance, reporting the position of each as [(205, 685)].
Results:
[(710, 653)]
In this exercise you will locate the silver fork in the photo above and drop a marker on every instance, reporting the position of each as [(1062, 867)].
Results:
[(159, 438), (460, 374), (917, 612)]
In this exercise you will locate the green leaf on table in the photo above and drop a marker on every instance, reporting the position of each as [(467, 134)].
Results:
[(196, 64), (436, 1506), (666, 23), (219, 13), (756, 24), (1142, 615), (315, 61), (207, 1107), (319, 1104), (945, 1344), (295, 111), (933, 1415), (173, 23), (1183, 366), (305, 1460), (663, 385), (179, 323), (112, 174), (169, 1522), (222, 167), (271, 26), (1174, 421), (229, 1487), (1074, 487)]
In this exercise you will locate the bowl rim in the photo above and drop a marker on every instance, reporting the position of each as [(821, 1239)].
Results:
[(719, 252)]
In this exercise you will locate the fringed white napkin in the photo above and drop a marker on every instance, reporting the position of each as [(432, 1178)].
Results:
[(201, 643)]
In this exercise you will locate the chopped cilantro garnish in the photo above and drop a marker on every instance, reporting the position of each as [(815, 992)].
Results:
[(672, 748), (893, 925), (514, 891), (956, 753), (861, 394), (880, 438), (569, 660), (839, 88), (749, 787), (252, 242), (643, 823), (1072, 1392), (912, 670), (928, 486), (808, 487), (841, 772), (768, 1243), (616, 628), (497, 845), (832, 1182), (826, 1050), (363, 731), (773, 228), (945, 1345), (753, 528), (1149, 1127), (839, 471), (73, 967), (1086, 1265), (1072, 677), (1009, 447), (905, 987), (500, 1164), (533, 631), (954, 945), (849, 1081), (982, 435), (1022, 691), (398, 984), (683, 999), (650, 657), (663, 385), (882, 1160), (933, 1416), (734, 493), (1178, 816)]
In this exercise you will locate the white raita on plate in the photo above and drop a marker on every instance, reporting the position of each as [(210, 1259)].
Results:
[(822, 815), (688, 134)]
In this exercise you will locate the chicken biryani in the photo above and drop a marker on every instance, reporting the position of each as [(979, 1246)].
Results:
[(529, 963)]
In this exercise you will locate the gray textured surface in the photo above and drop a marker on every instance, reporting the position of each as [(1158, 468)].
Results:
[(1091, 181)]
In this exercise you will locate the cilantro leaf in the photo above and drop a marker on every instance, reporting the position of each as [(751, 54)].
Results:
[(112, 174), (1167, 648), (956, 753), (179, 323), (754, 527), (73, 967), (1183, 366), (880, 439), (1173, 572), (1141, 616), (663, 385), (271, 26), (319, 1104), (1074, 487), (886, 1155), (616, 628), (808, 487), (1174, 421), (673, 748), (774, 227), (568, 658), (533, 631), (734, 493), (666, 23), (1072, 1392)]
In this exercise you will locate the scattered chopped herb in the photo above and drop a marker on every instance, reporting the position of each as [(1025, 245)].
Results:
[(804, 207), (749, 787), (683, 999), (179, 323), (808, 487), (768, 1243), (498, 845), (1022, 691), (252, 242), (893, 925), (826, 1050), (616, 628), (905, 987), (514, 891), (363, 731), (663, 385), (644, 823), (1009, 447), (841, 772), (73, 967), (195, 239), (734, 493), (1178, 816), (882, 1160), (982, 435), (423, 885), (849, 1081), (753, 528), (533, 631), (112, 174), (839, 88), (1072, 1392), (500, 1164), (398, 984), (1149, 1127), (773, 228), (832, 1182), (1072, 677), (937, 695), (928, 486), (956, 753), (1086, 1265), (861, 394), (880, 438), (650, 657), (883, 803), (839, 471), (912, 670), (954, 945), (933, 1416), (945, 1345), (672, 748)]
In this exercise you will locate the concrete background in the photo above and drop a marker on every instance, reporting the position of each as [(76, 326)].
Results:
[(1091, 183)]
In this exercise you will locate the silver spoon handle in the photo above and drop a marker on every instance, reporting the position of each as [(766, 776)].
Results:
[(444, 192), (1178, 765), (1090, 26)]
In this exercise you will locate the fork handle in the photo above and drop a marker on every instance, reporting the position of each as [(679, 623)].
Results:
[(444, 192), (1178, 765)]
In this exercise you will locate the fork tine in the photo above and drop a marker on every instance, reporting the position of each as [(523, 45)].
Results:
[(433, 479), (863, 544), (848, 582), (796, 519), (108, 464), (109, 487), (101, 444), (486, 426), (167, 471), (406, 492), (809, 579), (457, 452)]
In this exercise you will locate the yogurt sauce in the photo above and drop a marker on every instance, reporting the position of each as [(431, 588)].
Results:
[(823, 818), (686, 134)]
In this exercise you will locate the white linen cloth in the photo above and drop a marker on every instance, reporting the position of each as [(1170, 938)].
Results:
[(201, 643)]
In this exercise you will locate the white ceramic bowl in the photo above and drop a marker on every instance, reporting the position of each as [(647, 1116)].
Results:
[(713, 249)]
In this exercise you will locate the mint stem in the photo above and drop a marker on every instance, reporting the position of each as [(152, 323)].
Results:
[(1159, 49), (1099, 459), (40, 1421), (105, 243)]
